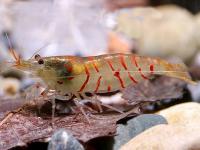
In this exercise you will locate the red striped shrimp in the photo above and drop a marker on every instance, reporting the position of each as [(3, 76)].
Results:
[(98, 74)]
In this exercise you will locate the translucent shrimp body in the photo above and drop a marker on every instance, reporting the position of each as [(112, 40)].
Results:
[(99, 74)]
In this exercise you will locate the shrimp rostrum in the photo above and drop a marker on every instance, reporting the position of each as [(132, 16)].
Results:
[(98, 74)]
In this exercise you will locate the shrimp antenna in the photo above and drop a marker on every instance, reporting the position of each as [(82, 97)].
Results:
[(10, 47), (39, 50)]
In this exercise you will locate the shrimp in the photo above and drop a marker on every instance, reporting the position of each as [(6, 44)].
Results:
[(98, 74)]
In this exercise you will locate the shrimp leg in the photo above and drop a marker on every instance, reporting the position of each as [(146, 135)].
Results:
[(80, 106), (95, 99)]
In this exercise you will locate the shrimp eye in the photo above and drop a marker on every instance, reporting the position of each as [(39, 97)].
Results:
[(37, 56), (40, 61)]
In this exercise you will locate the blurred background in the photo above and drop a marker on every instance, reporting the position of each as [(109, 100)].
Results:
[(161, 28), (67, 27)]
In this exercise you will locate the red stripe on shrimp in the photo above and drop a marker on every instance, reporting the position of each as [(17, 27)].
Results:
[(151, 68), (110, 64), (93, 63), (125, 67), (87, 79), (142, 75), (132, 78), (117, 74), (68, 67), (70, 78), (109, 88), (123, 62), (134, 60), (98, 84), (139, 69)]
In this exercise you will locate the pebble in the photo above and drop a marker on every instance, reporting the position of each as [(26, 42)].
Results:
[(195, 89), (182, 131), (135, 126), (9, 86), (170, 20), (64, 140), (182, 114), (165, 137)]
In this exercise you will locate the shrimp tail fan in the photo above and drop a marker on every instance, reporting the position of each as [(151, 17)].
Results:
[(177, 70)]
